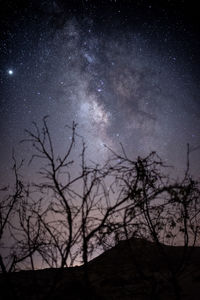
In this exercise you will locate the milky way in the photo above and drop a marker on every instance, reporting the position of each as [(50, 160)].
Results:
[(131, 85)]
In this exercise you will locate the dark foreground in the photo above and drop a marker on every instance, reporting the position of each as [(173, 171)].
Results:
[(134, 269)]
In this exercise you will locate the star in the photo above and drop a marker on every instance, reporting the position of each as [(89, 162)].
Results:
[(10, 72), (105, 74)]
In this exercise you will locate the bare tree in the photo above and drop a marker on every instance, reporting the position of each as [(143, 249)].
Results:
[(76, 207), (161, 210), (11, 198)]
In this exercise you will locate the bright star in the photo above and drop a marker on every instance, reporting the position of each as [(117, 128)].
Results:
[(10, 72)]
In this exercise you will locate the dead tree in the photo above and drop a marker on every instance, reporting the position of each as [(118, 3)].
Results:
[(163, 210), (11, 198), (76, 206)]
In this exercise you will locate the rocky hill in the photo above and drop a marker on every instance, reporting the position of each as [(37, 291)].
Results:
[(134, 269)]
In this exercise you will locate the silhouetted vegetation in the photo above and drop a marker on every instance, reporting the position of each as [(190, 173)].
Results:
[(76, 209)]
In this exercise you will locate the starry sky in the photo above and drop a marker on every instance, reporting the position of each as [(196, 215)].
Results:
[(125, 71)]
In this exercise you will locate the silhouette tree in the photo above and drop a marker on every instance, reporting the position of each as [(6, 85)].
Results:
[(11, 201), (161, 210), (75, 208)]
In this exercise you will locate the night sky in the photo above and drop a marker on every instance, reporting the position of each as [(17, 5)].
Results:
[(124, 72)]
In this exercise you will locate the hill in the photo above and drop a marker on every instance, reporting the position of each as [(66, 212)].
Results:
[(134, 269)]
